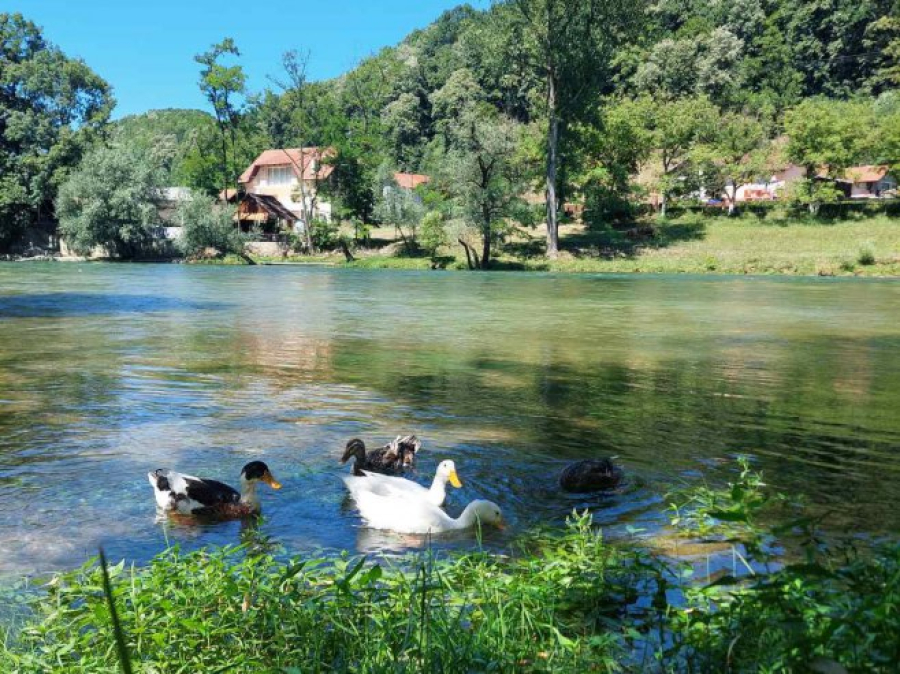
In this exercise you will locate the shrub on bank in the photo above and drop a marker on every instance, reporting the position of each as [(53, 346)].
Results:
[(207, 224), (248, 612)]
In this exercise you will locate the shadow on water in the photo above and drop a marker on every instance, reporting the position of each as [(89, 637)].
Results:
[(63, 304)]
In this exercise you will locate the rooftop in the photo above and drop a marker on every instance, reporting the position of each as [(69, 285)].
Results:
[(309, 159)]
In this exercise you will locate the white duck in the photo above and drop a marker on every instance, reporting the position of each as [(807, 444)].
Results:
[(386, 485), (415, 515)]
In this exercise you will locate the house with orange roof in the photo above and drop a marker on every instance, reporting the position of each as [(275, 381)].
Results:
[(410, 181), (871, 182), (279, 172)]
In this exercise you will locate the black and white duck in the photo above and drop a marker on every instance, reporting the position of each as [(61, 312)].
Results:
[(591, 475), (395, 457), (188, 495)]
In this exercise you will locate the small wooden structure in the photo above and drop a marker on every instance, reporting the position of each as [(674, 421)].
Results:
[(262, 210)]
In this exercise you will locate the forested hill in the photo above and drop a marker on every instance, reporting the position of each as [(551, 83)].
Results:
[(759, 57), (573, 97)]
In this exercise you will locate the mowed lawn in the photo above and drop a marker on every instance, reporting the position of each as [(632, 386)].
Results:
[(690, 244), (748, 246)]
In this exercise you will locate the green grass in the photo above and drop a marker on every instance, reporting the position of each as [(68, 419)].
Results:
[(229, 259), (697, 244), (566, 601), (689, 244), (232, 610), (750, 246)]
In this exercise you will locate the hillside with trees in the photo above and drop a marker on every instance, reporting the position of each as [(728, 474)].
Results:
[(596, 103)]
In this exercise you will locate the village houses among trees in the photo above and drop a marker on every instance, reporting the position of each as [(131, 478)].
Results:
[(495, 126)]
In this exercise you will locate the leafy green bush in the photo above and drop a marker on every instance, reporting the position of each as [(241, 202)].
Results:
[(827, 610), (433, 234), (324, 234), (231, 608), (208, 224), (866, 255), (111, 200)]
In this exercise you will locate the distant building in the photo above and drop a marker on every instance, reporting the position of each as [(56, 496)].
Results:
[(277, 173), (771, 188), (261, 210), (871, 182), (167, 201), (410, 181)]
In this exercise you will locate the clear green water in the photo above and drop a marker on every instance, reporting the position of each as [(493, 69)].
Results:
[(108, 371)]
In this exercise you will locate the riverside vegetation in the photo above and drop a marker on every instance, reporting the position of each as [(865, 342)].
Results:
[(566, 601), (689, 243)]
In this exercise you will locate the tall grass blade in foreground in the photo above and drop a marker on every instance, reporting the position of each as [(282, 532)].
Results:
[(121, 646)]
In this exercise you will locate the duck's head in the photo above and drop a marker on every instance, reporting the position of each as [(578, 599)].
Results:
[(355, 447), (487, 512), (447, 471), (407, 447), (257, 471)]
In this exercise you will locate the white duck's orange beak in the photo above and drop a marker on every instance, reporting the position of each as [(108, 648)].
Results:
[(271, 481), (454, 479)]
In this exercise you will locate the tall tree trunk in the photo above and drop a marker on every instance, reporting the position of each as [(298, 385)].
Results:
[(552, 166), (662, 203), (304, 211), (469, 255), (486, 248), (224, 162), (234, 166)]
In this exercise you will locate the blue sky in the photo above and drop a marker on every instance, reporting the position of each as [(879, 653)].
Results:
[(145, 48)]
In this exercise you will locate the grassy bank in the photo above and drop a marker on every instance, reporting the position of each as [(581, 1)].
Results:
[(565, 601), (698, 244)]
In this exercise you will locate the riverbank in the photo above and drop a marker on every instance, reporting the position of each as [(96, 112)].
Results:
[(690, 244), (565, 601)]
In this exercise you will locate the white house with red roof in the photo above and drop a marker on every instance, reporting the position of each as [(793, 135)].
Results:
[(277, 173)]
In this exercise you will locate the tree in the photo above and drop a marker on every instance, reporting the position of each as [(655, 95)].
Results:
[(295, 66), (614, 148), (192, 135), (571, 44), (735, 156), (403, 120), (486, 174), (208, 223), (52, 109), (434, 233), (693, 66), (824, 137), (676, 128), (883, 37), (223, 86), (111, 200), (397, 206)]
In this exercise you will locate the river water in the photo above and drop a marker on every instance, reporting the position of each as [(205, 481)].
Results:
[(108, 371)]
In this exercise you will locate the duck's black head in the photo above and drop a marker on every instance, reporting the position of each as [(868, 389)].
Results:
[(408, 447), (259, 471), (355, 447)]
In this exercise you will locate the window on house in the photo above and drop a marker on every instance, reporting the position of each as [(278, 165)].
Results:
[(280, 175)]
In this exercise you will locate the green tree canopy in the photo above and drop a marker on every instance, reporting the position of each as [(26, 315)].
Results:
[(51, 109), (111, 200)]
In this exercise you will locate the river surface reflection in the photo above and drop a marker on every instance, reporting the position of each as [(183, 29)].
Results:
[(108, 371)]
